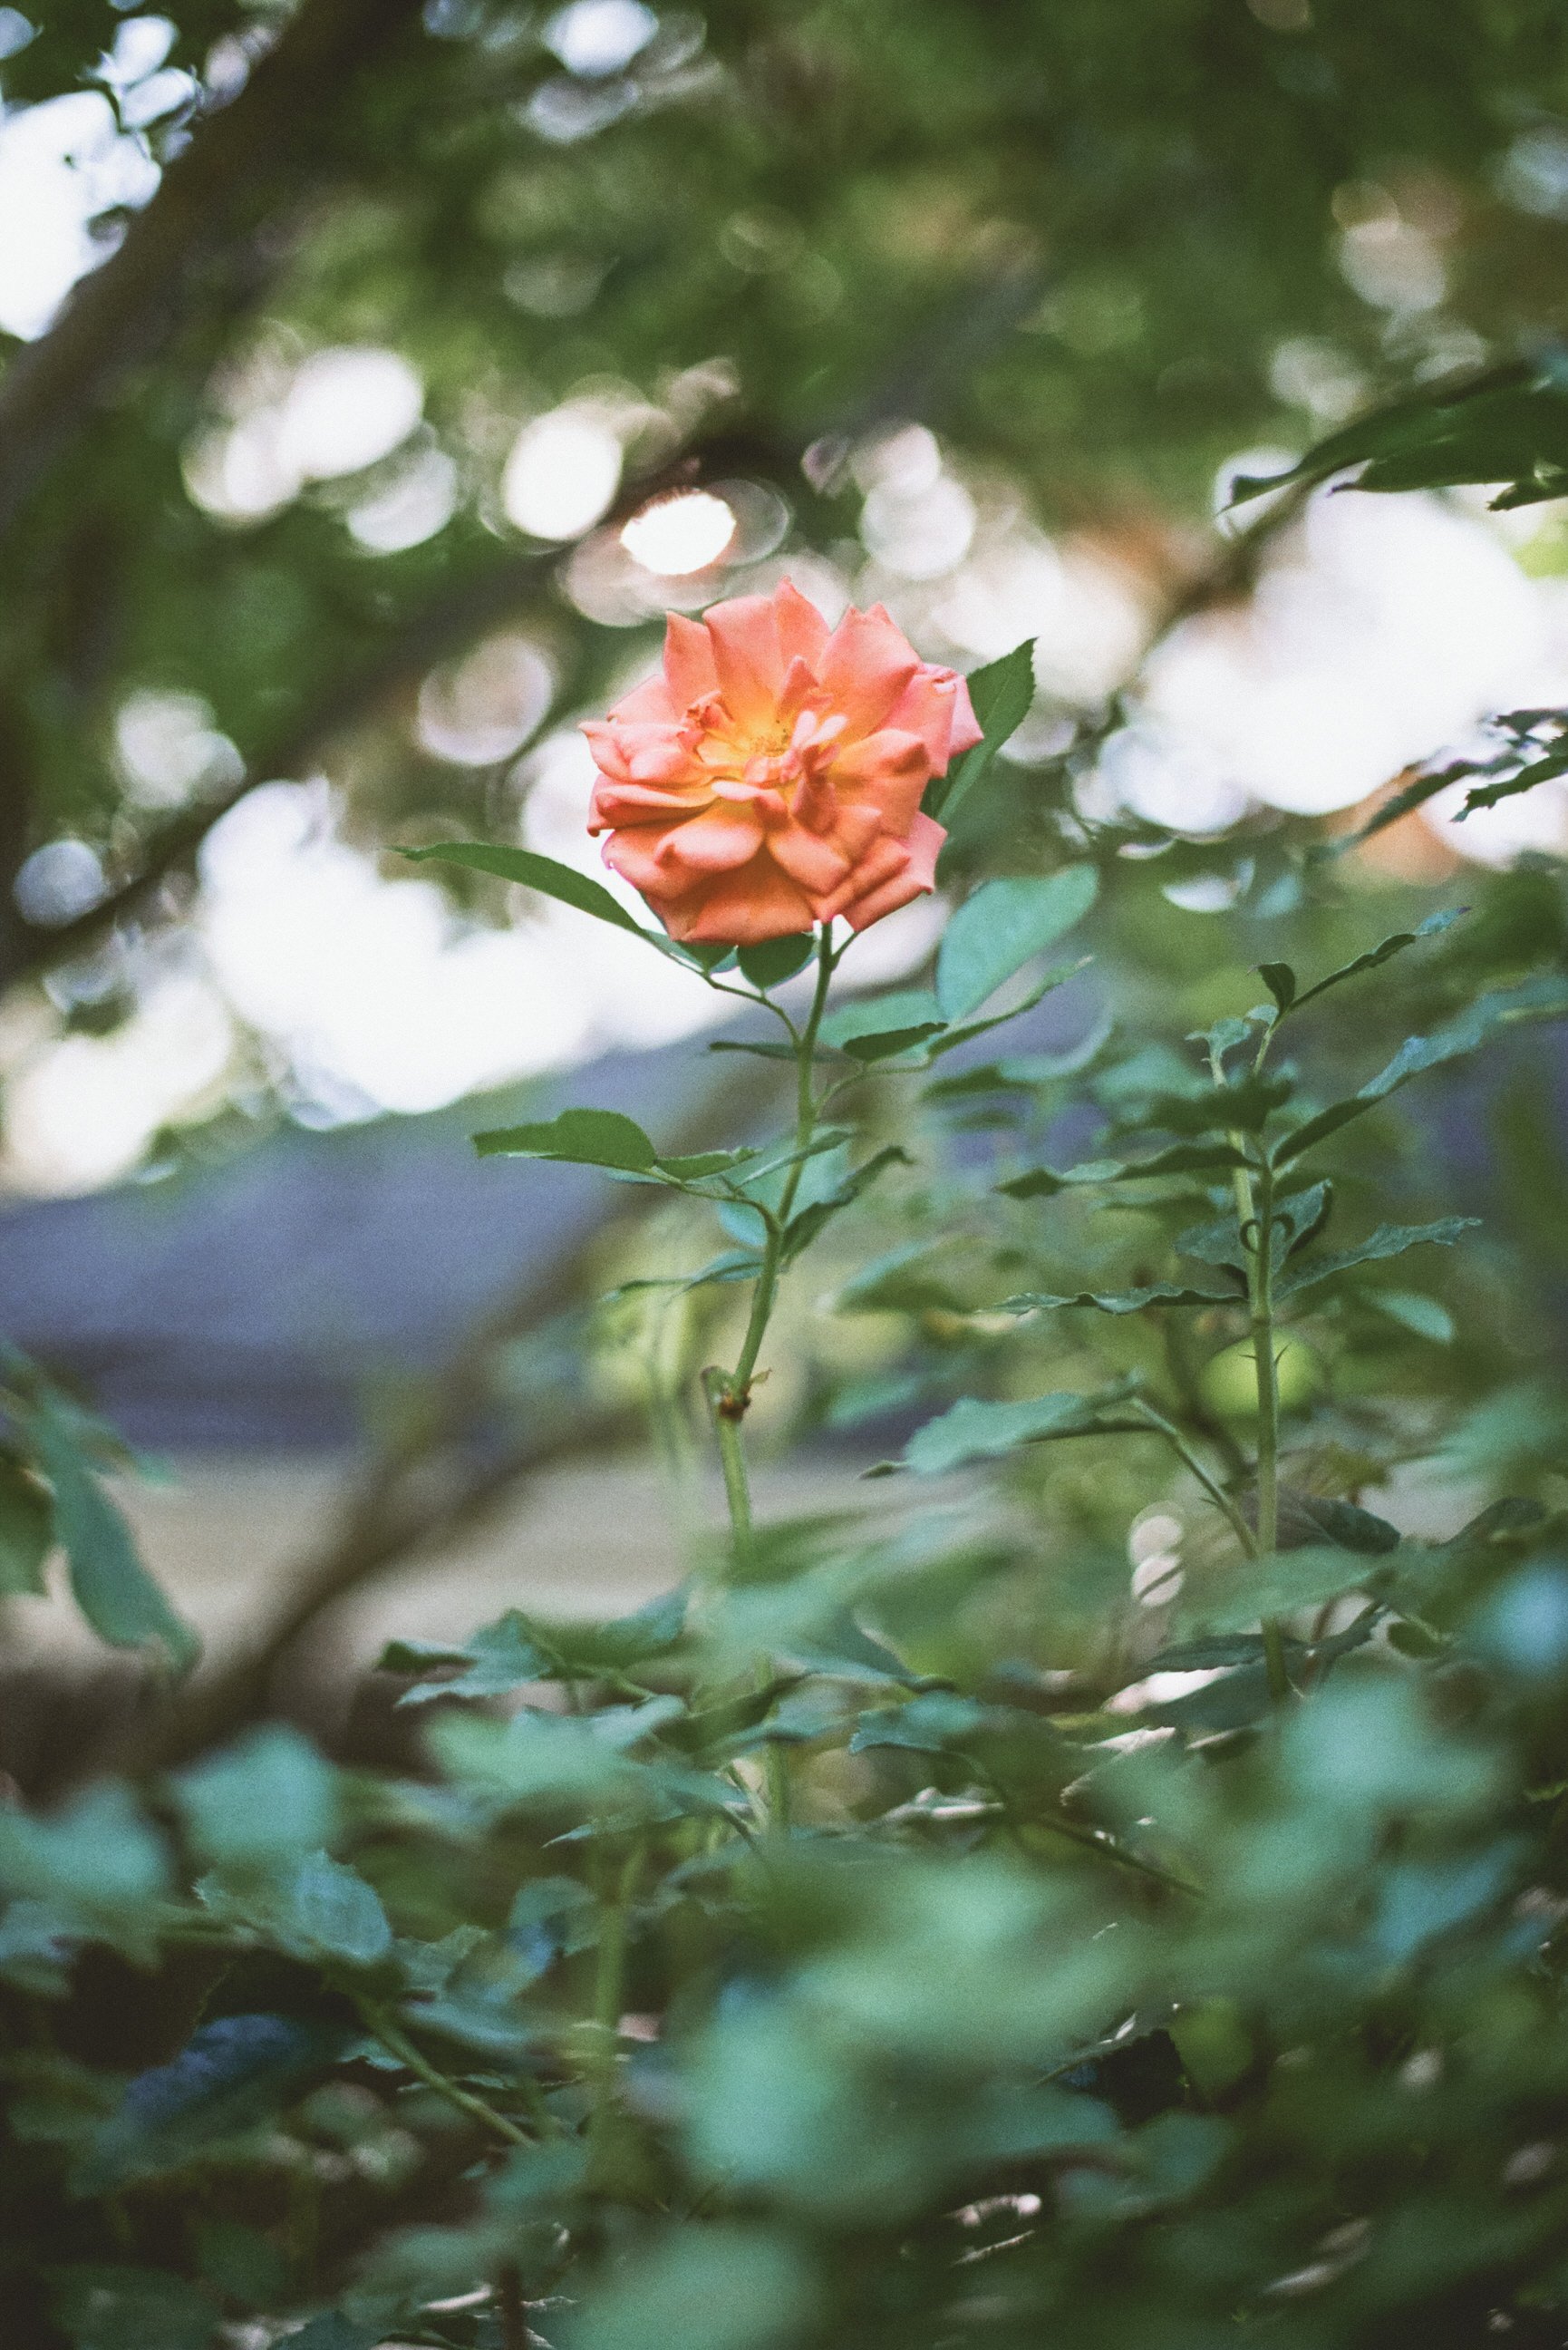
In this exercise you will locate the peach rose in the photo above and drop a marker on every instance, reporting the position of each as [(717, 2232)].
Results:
[(771, 778)]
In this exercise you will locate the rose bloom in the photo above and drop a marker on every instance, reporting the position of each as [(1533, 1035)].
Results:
[(771, 778)]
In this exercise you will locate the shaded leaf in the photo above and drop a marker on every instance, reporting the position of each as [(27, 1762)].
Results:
[(1508, 424), (110, 1585), (1387, 1240), (26, 1528), (803, 1228), (884, 1025), (772, 961), (1181, 1159), (103, 2307), (545, 874), (1544, 997), (974, 1431), (586, 1138), (1310, 1577), (1121, 1301), (1433, 927), (231, 2075), (1240, 1108)]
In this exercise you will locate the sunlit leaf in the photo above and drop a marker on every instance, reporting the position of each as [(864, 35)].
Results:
[(1003, 926), (1001, 695)]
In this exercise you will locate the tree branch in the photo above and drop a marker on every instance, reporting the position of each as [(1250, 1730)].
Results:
[(274, 134)]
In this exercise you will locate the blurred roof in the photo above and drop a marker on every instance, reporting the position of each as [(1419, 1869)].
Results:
[(251, 1304)]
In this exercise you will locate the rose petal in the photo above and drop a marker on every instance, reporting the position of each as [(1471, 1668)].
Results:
[(713, 842), (744, 635), (802, 632), (819, 866), (866, 666), (648, 704), (935, 705), (743, 909), (689, 662)]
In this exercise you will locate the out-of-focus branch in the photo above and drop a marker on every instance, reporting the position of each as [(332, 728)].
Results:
[(428, 1486), (269, 141)]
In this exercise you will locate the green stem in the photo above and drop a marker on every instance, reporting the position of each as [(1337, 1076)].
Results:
[(394, 2039), (609, 1993), (728, 1393), (1256, 1218), (1260, 1269), (766, 1290), (1216, 1492)]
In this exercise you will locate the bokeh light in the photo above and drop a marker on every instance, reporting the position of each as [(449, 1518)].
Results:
[(562, 473), (675, 537)]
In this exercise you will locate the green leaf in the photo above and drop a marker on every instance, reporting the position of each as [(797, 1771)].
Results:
[(1388, 1240), (886, 1025), (102, 2307), (96, 1858), (803, 1227), (1001, 928), (269, 1798), (332, 2331), (1282, 983), (1181, 1159), (517, 1649), (1245, 1594), (26, 1529), (772, 961), (1240, 1108), (1412, 1311), (973, 1430), (1544, 997), (111, 1587), (927, 1724), (1306, 1520), (585, 1137), (545, 874), (331, 1911), (1000, 694), (707, 2286), (232, 2073), (1433, 927), (1509, 424), (1121, 1301)]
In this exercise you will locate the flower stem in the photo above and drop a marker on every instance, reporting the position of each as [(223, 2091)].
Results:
[(609, 1994), (1261, 1281), (397, 2041), (1255, 1216), (728, 1393)]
